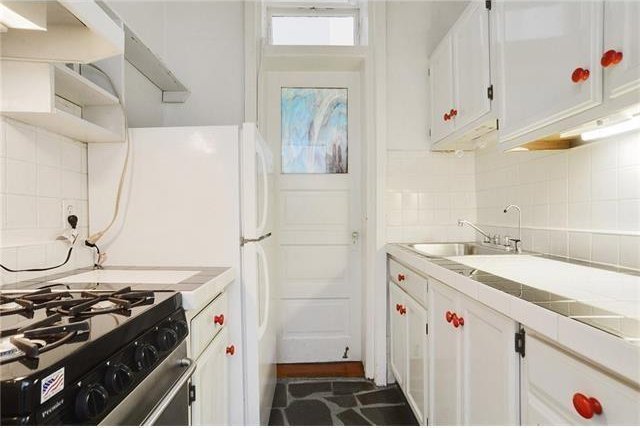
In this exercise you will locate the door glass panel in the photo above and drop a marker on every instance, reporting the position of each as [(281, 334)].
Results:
[(314, 130)]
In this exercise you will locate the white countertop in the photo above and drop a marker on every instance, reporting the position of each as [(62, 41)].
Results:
[(611, 291), (609, 351), (131, 276)]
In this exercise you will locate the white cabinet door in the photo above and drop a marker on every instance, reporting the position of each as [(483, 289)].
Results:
[(622, 35), (471, 68), (417, 369), (212, 384), (398, 328), (489, 366), (445, 356), (540, 46), (441, 89)]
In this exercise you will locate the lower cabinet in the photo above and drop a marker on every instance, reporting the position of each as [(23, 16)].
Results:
[(474, 366), (559, 388), (408, 353), (211, 405)]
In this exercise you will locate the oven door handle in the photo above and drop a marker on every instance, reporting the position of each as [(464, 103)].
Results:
[(168, 398)]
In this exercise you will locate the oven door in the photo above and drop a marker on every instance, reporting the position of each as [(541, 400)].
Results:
[(162, 398)]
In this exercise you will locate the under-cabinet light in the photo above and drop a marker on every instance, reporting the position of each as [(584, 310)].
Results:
[(24, 15), (615, 129)]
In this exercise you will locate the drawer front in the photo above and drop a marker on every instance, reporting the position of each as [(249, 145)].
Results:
[(415, 285), (555, 377), (206, 325)]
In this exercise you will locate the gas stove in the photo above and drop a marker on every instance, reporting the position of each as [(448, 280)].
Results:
[(71, 356)]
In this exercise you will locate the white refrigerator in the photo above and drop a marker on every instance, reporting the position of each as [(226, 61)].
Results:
[(201, 196)]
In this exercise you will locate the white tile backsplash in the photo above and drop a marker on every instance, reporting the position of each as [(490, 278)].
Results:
[(37, 170), (586, 200), (426, 193)]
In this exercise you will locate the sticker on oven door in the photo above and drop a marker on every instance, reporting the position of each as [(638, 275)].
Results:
[(51, 385)]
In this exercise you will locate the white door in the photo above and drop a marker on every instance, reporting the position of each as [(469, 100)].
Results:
[(398, 329), (489, 367), (211, 382), (445, 356), (319, 223), (540, 47), (470, 39), (441, 90), (622, 35), (417, 367)]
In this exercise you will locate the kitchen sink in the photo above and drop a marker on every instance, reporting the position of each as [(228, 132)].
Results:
[(449, 249)]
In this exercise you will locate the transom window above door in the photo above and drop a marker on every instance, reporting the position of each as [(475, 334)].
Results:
[(314, 132), (311, 26)]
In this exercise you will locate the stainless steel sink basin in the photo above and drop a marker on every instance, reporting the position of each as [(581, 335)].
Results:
[(449, 249)]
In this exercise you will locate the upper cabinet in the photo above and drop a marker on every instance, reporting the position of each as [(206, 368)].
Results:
[(549, 56), (564, 68), (460, 82), (58, 31), (621, 51)]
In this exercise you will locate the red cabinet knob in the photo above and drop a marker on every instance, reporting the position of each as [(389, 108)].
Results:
[(586, 406), (231, 350), (453, 112), (403, 310), (455, 320), (461, 321), (610, 57), (580, 75), (446, 117), (218, 319), (401, 277), (398, 306), (449, 316)]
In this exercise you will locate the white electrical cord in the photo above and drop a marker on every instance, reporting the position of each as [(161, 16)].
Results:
[(94, 238)]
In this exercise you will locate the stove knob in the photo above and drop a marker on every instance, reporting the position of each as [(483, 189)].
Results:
[(91, 401), (166, 338), (118, 378), (145, 356), (180, 327)]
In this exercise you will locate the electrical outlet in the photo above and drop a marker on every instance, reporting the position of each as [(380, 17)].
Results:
[(68, 208)]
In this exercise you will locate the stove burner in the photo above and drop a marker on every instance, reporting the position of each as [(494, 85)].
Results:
[(25, 304), (90, 303)]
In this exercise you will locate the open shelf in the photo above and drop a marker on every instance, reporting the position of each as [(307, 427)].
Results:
[(79, 90), (67, 124), (28, 92)]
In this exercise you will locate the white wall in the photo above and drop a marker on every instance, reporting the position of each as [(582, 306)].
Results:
[(583, 203), (38, 171), (426, 192), (202, 42)]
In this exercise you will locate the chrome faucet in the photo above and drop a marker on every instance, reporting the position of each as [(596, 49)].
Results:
[(487, 237), (517, 242)]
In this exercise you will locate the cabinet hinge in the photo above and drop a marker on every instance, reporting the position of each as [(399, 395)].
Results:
[(426, 329), (490, 92), (429, 72), (487, 4), (520, 339), (429, 132), (192, 394)]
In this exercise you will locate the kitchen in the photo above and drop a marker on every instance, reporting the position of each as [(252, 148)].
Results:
[(221, 207)]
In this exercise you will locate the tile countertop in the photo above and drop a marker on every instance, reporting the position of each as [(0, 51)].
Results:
[(583, 307), (198, 285)]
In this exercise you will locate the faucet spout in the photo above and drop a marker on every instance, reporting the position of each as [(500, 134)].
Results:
[(482, 232), (519, 241)]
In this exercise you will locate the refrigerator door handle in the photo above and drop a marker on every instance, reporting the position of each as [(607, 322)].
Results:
[(265, 185), (262, 327), (244, 240)]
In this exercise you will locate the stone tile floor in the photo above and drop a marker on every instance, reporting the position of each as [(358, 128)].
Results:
[(338, 401)]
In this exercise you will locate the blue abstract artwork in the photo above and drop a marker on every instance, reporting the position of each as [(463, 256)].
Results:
[(314, 130)]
